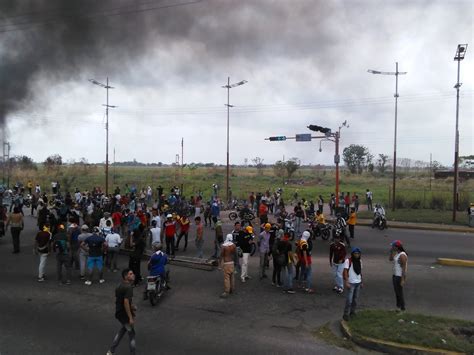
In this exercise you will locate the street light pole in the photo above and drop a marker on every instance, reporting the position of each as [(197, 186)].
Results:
[(107, 106), (460, 53), (396, 73), (228, 87), (227, 171)]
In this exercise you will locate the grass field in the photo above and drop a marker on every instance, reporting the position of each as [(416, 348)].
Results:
[(415, 193), (415, 329)]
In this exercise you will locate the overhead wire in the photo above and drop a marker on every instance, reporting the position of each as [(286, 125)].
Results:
[(103, 13)]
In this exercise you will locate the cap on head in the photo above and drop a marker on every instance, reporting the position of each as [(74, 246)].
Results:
[(85, 227), (267, 226), (169, 215), (396, 243), (229, 238), (249, 229), (356, 250)]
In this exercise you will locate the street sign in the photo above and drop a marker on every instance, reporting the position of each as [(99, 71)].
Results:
[(277, 138), (303, 137)]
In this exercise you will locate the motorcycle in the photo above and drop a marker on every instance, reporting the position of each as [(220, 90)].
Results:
[(379, 221), (320, 230), (244, 215), (156, 287), (27, 201), (289, 228)]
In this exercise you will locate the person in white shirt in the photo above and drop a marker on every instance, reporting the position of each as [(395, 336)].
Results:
[(103, 221), (78, 196), (400, 265), (353, 280), (155, 231), (113, 241)]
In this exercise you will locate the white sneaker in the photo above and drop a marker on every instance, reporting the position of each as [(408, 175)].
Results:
[(88, 283), (243, 279), (101, 281)]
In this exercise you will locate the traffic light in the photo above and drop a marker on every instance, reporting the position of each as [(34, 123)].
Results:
[(315, 128), (278, 138)]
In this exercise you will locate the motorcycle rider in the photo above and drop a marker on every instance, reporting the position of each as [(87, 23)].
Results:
[(379, 212), (157, 266)]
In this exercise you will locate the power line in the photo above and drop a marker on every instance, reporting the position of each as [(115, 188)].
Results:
[(91, 16)]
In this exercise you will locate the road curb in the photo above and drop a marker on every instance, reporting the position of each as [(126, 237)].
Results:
[(431, 228), (455, 262), (390, 347)]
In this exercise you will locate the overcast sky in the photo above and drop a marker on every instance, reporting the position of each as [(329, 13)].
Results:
[(305, 62)]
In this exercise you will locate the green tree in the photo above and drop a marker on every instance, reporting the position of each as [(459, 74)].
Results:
[(279, 169), (381, 163), (259, 165), (356, 158), (292, 165)]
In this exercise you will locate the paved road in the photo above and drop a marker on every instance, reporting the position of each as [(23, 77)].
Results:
[(51, 319)]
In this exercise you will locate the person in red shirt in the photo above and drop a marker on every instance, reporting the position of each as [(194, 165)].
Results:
[(347, 202), (169, 231), (117, 220), (263, 213), (184, 224), (337, 256)]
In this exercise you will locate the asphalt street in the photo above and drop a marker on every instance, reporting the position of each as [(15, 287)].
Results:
[(46, 318)]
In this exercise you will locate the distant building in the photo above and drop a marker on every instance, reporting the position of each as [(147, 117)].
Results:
[(463, 174)]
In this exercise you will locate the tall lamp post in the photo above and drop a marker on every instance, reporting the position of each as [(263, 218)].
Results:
[(460, 53), (107, 106), (396, 73), (228, 87)]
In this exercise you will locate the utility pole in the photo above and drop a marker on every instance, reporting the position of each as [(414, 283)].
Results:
[(396, 73), (6, 163), (228, 87), (328, 135), (182, 166), (107, 106), (460, 53), (114, 168), (431, 168)]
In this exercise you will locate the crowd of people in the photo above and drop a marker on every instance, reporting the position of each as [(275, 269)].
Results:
[(86, 230)]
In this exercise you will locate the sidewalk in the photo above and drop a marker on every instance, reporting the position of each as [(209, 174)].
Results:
[(421, 226)]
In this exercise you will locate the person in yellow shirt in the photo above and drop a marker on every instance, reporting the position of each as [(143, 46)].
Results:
[(29, 185), (320, 217), (352, 222)]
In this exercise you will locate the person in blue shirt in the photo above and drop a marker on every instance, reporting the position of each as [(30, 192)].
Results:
[(215, 212), (157, 265)]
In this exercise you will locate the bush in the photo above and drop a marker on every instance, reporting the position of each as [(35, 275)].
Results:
[(400, 201), (437, 203)]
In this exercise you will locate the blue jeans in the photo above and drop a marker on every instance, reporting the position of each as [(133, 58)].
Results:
[(199, 245), (351, 299), (308, 276), (288, 271), (338, 270), (298, 226)]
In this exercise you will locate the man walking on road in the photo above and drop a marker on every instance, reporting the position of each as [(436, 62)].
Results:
[(42, 248), (62, 247), (125, 311), (226, 261), (400, 264)]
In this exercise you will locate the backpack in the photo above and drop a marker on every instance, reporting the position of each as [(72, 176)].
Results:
[(61, 246)]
